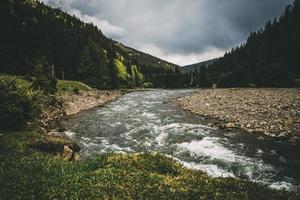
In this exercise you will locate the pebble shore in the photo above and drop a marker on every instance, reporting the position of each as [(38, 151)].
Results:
[(70, 104), (273, 112), (74, 103)]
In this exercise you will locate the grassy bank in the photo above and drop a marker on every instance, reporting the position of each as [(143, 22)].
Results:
[(71, 86), (26, 173)]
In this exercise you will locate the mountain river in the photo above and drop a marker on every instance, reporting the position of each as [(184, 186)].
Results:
[(151, 121)]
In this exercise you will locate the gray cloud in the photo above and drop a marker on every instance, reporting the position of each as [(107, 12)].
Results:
[(182, 31)]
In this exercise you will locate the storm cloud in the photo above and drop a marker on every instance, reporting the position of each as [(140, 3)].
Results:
[(180, 31)]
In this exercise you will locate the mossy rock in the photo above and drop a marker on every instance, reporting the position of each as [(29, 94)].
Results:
[(54, 145)]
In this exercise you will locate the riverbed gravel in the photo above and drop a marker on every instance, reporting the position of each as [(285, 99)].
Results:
[(274, 112), (70, 104), (75, 103)]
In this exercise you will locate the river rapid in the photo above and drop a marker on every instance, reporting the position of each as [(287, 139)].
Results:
[(151, 121)]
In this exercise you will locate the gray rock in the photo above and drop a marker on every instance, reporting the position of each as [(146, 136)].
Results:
[(259, 130), (76, 157), (57, 134), (294, 140), (261, 138), (67, 153), (210, 124), (230, 125), (282, 135)]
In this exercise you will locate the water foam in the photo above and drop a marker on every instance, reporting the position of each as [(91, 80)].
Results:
[(209, 147), (281, 185), (70, 134), (180, 128), (149, 115)]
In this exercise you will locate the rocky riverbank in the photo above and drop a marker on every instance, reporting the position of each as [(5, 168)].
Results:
[(274, 112), (67, 104), (74, 103), (56, 142)]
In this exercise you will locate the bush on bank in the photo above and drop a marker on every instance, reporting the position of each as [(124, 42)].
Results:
[(19, 103)]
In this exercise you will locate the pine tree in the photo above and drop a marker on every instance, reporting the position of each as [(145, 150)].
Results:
[(43, 79), (94, 68)]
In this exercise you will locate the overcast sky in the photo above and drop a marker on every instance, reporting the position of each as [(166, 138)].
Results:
[(180, 31)]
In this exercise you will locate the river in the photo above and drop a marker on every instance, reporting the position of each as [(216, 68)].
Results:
[(151, 121)]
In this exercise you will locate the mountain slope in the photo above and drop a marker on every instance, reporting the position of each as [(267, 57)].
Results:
[(196, 66), (270, 57), (77, 50)]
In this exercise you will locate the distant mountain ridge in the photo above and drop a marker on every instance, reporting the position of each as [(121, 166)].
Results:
[(196, 66)]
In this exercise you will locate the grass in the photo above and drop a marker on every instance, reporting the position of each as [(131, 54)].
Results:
[(62, 85), (69, 86), (26, 173), (20, 80)]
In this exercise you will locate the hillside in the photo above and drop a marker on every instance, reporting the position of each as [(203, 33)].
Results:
[(145, 59), (269, 58), (159, 72), (76, 50), (196, 66)]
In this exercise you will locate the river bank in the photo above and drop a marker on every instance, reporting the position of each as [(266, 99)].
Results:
[(273, 112), (67, 104)]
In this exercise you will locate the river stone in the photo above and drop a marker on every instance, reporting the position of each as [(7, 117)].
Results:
[(259, 130), (74, 146), (261, 138), (227, 126), (282, 135), (67, 153), (293, 140), (230, 125), (210, 124), (57, 134), (76, 157)]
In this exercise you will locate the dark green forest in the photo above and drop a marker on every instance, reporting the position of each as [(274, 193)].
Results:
[(269, 58), (32, 31)]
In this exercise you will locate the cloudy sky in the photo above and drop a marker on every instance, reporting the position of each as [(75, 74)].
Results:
[(180, 31)]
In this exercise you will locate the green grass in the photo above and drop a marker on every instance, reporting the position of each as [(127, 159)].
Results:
[(69, 86), (20, 79), (62, 85), (26, 173)]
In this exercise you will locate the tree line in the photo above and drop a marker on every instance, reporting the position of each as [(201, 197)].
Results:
[(270, 57)]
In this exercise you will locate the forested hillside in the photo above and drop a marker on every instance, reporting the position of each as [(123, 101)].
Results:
[(270, 57), (32, 31)]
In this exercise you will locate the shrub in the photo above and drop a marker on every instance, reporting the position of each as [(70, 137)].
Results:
[(19, 104), (147, 85), (76, 90)]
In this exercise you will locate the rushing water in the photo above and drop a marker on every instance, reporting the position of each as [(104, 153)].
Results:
[(151, 121)]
